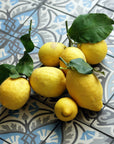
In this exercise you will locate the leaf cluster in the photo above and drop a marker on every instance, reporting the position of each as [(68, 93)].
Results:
[(25, 65)]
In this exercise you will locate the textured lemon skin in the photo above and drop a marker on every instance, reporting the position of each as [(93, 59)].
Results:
[(71, 53), (14, 93), (86, 90), (94, 53), (66, 109), (50, 52), (48, 81)]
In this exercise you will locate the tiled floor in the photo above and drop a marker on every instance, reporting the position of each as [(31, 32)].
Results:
[(36, 122)]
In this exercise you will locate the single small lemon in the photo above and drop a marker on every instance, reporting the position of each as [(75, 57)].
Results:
[(50, 52), (86, 90), (66, 109), (48, 81), (70, 53), (14, 93), (94, 52)]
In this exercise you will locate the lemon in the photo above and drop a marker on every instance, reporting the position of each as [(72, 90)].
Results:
[(50, 52), (71, 53), (14, 93), (66, 109), (48, 81), (86, 90), (94, 53)]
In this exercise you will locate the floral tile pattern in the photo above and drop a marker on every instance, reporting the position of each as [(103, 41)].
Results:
[(105, 121), (36, 122), (72, 7)]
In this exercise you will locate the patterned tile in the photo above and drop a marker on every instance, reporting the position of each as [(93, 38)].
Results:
[(33, 123), (86, 116), (106, 80), (12, 9), (105, 121), (75, 132), (111, 102), (107, 3), (72, 7), (48, 25)]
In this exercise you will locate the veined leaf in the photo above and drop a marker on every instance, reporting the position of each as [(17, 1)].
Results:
[(27, 42), (91, 28), (25, 65), (78, 65), (6, 71)]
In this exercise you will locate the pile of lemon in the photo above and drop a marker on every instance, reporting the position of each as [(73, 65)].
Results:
[(85, 90)]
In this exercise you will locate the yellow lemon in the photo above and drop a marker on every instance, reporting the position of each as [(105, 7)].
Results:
[(86, 90), (71, 53), (94, 53), (66, 109), (14, 93), (50, 52), (48, 81)]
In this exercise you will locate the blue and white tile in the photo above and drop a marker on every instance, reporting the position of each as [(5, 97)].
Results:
[(105, 121), (14, 13), (86, 116), (72, 7), (32, 123), (48, 25), (107, 3), (10, 51), (78, 133), (107, 79)]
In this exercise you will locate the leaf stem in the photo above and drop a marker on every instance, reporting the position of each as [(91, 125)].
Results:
[(63, 61), (30, 28), (70, 41)]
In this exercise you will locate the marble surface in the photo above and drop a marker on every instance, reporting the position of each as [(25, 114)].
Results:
[(36, 122)]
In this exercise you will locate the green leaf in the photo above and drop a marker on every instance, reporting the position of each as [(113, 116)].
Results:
[(80, 65), (13, 73), (26, 40), (6, 71), (92, 28), (25, 65)]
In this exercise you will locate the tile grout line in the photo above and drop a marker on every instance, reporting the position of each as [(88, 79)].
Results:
[(4, 140), (105, 7), (110, 55), (44, 141), (21, 25), (110, 98), (90, 126)]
